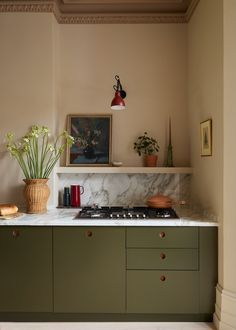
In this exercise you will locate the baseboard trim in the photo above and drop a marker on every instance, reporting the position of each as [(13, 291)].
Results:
[(75, 317), (225, 309)]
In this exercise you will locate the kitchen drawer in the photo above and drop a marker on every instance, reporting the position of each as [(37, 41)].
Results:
[(162, 237), (151, 291), (176, 259)]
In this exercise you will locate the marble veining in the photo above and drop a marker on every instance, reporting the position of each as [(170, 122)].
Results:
[(66, 217), (125, 189)]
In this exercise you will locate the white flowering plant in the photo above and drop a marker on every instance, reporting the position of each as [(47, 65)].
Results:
[(35, 153)]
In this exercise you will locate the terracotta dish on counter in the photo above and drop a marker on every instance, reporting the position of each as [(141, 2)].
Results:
[(159, 201)]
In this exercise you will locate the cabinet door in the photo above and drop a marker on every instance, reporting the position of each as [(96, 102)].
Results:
[(169, 292), (26, 269), (89, 269)]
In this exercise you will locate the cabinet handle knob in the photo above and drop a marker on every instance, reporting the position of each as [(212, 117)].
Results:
[(89, 233), (162, 256), (15, 233), (162, 278), (162, 234)]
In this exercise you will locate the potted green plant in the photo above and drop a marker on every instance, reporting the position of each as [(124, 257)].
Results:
[(149, 147), (37, 155)]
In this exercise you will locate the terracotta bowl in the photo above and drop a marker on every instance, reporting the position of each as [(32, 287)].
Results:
[(160, 201)]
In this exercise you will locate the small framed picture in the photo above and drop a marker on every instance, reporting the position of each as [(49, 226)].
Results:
[(92, 134), (206, 137)]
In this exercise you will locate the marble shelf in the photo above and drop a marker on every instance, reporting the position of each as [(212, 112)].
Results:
[(123, 169)]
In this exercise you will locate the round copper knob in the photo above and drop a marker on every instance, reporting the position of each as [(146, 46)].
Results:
[(162, 278), (15, 233), (89, 233), (162, 256), (162, 234)]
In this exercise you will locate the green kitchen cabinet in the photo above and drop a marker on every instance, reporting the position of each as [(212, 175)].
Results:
[(171, 270), (89, 269), (179, 259), (162, 292), (162, 237), (71, 273), (208, 268), (26, 269)]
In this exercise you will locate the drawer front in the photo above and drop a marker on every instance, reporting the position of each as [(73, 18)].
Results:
[(176, 259), (162, 237), (152, 291)]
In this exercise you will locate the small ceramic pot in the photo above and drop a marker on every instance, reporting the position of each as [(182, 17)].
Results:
[(150, 160)]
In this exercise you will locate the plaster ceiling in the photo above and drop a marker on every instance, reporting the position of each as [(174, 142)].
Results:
[(125, 6), (107, 11)]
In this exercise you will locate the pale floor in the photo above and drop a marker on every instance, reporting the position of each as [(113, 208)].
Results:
[(108, 326)]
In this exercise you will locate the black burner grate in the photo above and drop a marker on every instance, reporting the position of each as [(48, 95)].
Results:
[(119, 212)]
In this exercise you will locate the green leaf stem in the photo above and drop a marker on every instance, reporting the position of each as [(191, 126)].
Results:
[(34, 152)]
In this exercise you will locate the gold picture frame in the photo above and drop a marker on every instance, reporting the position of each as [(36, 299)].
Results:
[(206, 137), (92, 134)]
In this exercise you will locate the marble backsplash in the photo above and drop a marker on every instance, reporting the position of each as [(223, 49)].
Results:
[(126, 189)]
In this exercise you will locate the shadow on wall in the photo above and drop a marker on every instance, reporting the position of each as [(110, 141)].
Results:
[(11, 184)]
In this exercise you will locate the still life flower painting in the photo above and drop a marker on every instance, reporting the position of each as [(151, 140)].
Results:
[(92, 136)]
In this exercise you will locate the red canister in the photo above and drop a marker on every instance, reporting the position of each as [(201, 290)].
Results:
[(76, 190)]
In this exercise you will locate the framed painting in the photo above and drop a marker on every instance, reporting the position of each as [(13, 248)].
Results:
[(92, 134), (206, 137)]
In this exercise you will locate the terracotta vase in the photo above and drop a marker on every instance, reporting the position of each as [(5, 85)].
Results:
[(150, 160), (36, 192)]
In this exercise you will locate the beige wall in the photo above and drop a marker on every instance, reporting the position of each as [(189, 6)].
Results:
[(205, 100), (151, 62), (50, 70), (229, 143), (226, 291), (26, 86), (211, 94)]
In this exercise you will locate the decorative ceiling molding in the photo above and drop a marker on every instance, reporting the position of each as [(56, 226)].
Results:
[(124, 1), (120, 19), (191, 9), (27, 7), (53, 6)]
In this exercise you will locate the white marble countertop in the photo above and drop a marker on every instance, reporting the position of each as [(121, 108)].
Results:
[(66, 217)]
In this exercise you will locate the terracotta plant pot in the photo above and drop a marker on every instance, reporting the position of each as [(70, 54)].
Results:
[(150, 160), (36, 192)]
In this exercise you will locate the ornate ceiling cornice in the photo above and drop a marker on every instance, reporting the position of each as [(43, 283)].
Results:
[(120, 19), (52, 6), (25, 7)]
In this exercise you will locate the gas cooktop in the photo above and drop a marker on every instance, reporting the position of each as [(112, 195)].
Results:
[(116, 212)]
